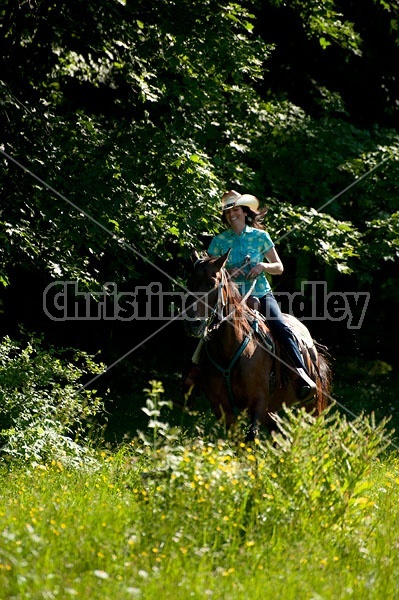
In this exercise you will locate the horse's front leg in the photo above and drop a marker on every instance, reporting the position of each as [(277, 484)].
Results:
[(267, 421), (259, 411), (224, 414), (216, 393)]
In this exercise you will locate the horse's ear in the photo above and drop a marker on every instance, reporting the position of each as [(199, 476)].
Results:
[(195, 256), (221, 261)]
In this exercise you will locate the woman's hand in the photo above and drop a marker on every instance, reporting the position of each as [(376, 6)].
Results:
[(256, 271), (240, 270), (273, 266)]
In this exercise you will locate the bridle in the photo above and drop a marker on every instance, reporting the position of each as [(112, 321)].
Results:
[(221, 302), (219, 309)]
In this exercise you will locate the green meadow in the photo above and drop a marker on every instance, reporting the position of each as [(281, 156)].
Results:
[(182, 509), (311, 512)]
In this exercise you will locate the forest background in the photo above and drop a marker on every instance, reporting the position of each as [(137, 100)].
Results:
[(123, 122)]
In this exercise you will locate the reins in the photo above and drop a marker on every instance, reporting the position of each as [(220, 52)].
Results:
[(218, 308)]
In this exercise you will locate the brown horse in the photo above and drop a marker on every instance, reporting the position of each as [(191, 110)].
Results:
[(241, 367)]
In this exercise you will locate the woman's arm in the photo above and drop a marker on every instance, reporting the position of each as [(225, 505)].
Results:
[(274, 266)]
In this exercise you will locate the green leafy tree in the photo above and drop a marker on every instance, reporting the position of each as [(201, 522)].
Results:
[(141, 114)]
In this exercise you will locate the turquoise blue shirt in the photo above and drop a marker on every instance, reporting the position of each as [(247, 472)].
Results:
[(253, 242)]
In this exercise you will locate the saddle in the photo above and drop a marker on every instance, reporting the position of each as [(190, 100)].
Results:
[(303, 338), (280, 371)]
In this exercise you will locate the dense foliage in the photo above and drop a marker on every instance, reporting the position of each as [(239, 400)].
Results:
[(123, 122), (140, 114), (46, 414)]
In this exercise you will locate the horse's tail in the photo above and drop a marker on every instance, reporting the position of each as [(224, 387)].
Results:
[(323, 378)]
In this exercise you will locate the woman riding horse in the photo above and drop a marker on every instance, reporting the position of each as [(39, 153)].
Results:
[(252, 255)]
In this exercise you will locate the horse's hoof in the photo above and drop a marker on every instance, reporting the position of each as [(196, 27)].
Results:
[(252, 434)]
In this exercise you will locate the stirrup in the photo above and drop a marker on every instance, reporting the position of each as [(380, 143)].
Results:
[(307, 387)]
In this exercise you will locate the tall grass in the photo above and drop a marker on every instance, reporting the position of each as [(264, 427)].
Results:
[(311, 513)]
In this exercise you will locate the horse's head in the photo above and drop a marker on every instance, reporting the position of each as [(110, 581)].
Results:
[(205, 284)]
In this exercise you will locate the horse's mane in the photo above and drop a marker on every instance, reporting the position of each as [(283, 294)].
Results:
[(239, 312)]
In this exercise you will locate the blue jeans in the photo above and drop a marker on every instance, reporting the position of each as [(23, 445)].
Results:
[(280, 330)]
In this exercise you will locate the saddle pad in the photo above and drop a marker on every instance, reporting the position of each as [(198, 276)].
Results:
[(300, 331)]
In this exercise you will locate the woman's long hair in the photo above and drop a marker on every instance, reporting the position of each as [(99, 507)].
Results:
[(252, 218)]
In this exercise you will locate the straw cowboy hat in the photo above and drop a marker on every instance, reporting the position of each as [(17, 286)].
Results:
[(233, 198)]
